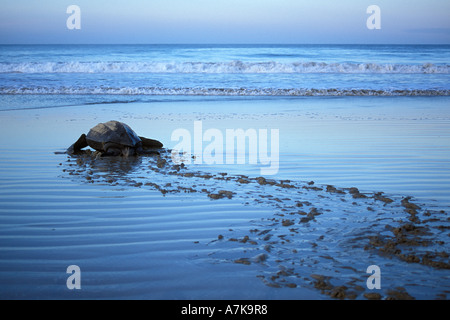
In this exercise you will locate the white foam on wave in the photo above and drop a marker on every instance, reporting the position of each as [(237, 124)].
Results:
[(232, 67), (220, 91)]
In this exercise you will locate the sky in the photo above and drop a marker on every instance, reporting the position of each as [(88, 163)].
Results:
[(225, 21)]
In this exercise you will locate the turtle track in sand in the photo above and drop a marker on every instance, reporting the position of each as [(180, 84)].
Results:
[(318, 236)]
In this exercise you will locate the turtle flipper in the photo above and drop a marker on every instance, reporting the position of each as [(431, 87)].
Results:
[(150, 143), (78, 145)]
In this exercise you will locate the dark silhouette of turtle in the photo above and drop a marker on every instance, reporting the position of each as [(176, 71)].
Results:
[(114, 138)]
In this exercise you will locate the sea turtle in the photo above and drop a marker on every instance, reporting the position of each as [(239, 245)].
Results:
[(114, 138)]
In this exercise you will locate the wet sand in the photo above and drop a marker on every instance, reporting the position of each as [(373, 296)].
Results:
[(358, 185)]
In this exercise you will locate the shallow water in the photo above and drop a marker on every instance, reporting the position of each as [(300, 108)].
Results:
[(130, 241)]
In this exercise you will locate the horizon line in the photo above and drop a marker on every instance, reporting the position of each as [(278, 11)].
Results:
[(239, 44)]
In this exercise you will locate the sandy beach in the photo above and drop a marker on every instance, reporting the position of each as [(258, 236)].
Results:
[(362, 181)]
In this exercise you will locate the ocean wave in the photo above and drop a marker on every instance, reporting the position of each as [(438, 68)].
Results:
[(221, 91), (232, 67)]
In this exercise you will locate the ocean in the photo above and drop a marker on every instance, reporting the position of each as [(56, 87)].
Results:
[(225, 70), (371, 117)]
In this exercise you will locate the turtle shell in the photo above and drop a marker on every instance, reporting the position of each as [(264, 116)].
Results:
[(112, 133)]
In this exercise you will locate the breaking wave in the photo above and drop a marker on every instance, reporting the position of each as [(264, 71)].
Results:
[(232, 67), (221, 91)]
